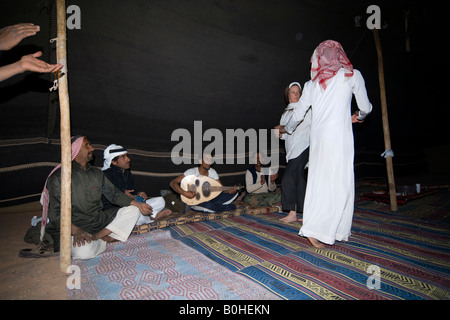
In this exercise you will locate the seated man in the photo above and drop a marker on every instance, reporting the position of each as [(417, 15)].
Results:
[(261, 188), (219, 204), (116, 167), (92, 226), (158, 205)]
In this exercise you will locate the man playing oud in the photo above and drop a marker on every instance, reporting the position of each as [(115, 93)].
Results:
[(221, 203)]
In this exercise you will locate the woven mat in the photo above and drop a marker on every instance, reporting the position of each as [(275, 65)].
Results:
[(251, 254), (156, 267), (412, 256), (192, 216), (401, 199)]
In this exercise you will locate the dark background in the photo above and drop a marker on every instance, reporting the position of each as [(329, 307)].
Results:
[(139, 69)]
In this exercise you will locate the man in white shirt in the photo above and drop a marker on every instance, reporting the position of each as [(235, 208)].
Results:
[(219, 204), (260, 187)]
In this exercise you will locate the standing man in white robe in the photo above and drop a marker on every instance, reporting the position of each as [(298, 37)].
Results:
[(330, 193)]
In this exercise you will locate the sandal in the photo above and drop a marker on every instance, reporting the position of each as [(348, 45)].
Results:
[(42, 250)]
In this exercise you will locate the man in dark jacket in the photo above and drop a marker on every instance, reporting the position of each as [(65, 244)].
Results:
[(92, 226), (116, 167)]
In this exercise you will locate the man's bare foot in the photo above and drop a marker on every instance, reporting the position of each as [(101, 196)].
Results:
[(316, 243), (291, 217), (164, 213), (101, 234), (109, 239)]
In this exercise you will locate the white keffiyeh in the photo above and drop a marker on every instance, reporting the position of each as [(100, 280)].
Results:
[(110, 153)]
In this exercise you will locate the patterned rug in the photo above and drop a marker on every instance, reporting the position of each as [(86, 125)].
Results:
[(156, 267), (435, 206), (384, 197), (390, 256), (412, 257)]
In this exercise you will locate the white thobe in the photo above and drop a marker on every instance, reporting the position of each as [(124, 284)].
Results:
[(120, 228), (157, 204), (257, 187), (330, 193)]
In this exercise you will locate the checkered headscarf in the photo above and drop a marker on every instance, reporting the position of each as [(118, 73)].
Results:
[(77, 142), (328, 58)]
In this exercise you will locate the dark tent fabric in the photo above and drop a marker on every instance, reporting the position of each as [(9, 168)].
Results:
[(138, 70)]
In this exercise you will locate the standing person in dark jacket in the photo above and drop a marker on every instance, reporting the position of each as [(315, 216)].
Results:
[(92, 226)]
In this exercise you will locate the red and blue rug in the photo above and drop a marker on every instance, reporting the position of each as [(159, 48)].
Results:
[(412, 257), (390, 256)]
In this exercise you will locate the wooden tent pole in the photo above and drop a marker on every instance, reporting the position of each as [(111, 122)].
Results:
[(384, 114), (66, 149)]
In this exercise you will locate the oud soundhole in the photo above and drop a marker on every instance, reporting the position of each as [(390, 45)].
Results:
[(206, 189)]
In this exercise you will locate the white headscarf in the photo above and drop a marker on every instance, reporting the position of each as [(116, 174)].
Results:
[(110, 153), (290, 86)]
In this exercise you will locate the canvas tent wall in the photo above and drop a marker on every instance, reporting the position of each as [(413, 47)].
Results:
[(141, 69)]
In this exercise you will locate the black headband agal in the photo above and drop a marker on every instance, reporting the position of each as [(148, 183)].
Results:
[(117, 150)]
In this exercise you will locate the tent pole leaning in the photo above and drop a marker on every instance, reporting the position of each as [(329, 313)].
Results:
[(66, 149), (384, 114)]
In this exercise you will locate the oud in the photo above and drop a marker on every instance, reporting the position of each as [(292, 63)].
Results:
[(205, 189)]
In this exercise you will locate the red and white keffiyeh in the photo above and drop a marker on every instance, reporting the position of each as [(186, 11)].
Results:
[(45, 198), (328, 58)]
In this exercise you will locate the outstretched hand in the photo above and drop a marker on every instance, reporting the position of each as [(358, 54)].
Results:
[(10, 36), (31, 63)]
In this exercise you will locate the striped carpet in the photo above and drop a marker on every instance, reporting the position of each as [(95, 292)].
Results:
[(411, 257), (390, 256)]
